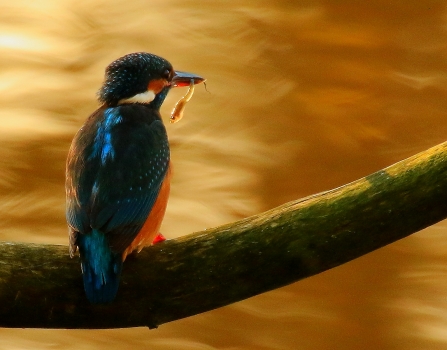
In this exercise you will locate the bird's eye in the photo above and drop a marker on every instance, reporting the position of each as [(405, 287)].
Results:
[(166, 74)]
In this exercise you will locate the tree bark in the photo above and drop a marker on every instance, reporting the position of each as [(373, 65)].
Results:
[(40, 286)]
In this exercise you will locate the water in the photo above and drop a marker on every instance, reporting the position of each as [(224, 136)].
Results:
[(302, 98)]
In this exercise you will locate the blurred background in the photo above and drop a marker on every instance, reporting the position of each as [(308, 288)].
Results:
[(302, 97)]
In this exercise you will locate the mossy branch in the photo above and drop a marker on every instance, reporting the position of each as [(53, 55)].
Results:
[(40, 286)]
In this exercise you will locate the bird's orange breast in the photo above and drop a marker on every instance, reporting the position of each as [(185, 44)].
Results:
[(152, 224)]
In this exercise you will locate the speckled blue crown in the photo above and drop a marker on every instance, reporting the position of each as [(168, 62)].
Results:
[(130, 75)]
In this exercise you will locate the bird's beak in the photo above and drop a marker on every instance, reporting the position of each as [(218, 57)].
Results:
[(184, 79)]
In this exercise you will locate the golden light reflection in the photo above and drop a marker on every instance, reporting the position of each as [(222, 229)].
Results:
[(12, 41)]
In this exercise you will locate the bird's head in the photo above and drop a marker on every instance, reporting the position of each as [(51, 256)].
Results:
[(141, 78)]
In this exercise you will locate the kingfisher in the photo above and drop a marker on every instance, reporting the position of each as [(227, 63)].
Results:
[(118, 170)]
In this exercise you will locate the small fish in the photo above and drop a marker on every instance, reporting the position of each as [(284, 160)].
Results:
[(177, 112)]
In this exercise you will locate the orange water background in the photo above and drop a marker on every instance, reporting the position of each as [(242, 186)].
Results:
[(302, 97)]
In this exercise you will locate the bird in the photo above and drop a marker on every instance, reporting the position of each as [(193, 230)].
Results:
[(118, 170)]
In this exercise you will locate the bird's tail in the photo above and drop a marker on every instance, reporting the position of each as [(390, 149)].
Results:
[(101, 268)]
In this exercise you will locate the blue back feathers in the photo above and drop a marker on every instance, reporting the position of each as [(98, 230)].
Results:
[(115, 169)]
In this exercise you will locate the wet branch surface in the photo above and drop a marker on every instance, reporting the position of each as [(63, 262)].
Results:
[(40, 286)]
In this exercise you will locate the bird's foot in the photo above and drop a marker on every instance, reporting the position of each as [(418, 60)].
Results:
[(158, 238)]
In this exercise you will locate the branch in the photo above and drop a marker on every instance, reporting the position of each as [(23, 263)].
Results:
[(40, 286)]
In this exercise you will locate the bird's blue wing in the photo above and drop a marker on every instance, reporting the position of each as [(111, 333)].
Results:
[(115, 169)]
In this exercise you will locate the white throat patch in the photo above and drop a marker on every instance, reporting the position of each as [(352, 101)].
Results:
[(144, 97)]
